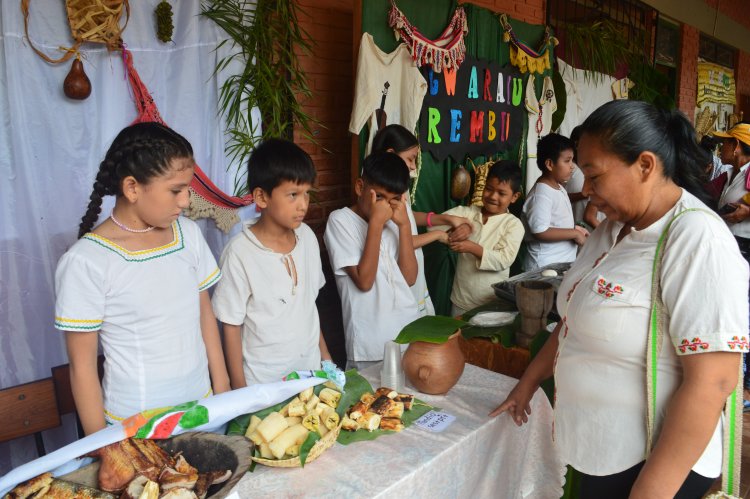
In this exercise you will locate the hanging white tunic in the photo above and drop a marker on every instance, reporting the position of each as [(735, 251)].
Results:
[(548, 105)]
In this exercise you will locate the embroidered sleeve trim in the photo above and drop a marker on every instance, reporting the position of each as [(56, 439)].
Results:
[(210, 280), (67, 324)]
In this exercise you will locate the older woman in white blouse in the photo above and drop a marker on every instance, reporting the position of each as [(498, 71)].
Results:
[(641, 169)]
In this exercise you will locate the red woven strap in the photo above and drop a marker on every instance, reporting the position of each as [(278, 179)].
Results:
[(147, 111)]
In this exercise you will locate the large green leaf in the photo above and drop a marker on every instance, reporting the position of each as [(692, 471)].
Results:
[(306, 446), (430, 328), (356, 385)]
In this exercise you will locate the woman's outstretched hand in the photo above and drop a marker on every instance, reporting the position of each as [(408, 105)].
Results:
[(517, 404)]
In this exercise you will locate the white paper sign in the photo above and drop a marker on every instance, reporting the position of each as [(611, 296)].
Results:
[(435, 421), (233, 495)]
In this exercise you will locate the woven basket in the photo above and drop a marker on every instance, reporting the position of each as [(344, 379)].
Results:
[(96, 21), (320, 446)]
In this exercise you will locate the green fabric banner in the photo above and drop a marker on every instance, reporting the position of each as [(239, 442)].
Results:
[(483, 41)]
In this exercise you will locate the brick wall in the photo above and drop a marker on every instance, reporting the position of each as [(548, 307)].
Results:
[(329, 73), (528, 11), (687, 83), (734, 9), (329, 70)]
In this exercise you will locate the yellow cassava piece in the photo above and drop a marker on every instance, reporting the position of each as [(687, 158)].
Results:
[(329, 418), (294, 435), (271, 426), (254, 422), (330, 397)]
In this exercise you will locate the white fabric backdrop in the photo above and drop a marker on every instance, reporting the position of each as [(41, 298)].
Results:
[(50, 149)]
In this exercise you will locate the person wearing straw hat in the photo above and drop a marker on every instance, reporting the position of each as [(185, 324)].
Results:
[(735, 151)]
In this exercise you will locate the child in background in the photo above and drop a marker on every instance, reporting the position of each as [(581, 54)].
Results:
[(272, 274), (489, 246), (583, 211), (553, 236), (399, 140), (139, 282), (371, 252)]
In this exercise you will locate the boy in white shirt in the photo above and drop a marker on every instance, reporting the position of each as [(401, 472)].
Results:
[(272, 274), (372, 256), (553, 236), (489, 246)]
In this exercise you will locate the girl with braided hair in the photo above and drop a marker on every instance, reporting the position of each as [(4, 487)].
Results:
[(139, 282)]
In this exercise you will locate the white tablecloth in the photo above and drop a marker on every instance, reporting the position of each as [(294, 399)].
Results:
[(476, 457)]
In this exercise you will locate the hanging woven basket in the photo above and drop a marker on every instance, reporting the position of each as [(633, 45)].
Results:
[(95, 21)]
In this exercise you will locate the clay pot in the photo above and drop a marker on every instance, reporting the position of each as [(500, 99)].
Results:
[(534, 300), (434, 368)]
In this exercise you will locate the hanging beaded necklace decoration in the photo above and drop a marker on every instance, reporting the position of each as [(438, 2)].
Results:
[(447, 51), (128, 229), (546, 98)]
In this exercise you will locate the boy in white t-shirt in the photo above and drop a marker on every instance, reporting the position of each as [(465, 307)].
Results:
[(272, 274), (372, 256), (552, 235)]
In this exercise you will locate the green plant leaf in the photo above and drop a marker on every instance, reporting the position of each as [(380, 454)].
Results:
[(430, 328), (267, 38), (356, 385), (307, 445)]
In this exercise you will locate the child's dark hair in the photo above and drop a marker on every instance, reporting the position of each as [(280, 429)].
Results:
[(551, 147), (506, 171), (143, 151), (627, 128), (394, 137), (709, 143), (277, 160), (386, 170)]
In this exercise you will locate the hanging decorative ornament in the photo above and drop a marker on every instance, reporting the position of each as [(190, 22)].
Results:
[(77, 85), (480, 180), (524, 57), (447, 51), (164, 23), (460, 183), (96, 21)]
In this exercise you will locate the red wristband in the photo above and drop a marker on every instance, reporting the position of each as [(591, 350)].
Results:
[(429, 218)]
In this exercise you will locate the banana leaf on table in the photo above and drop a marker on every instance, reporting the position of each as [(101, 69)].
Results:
[(430, 328), (355, 386)]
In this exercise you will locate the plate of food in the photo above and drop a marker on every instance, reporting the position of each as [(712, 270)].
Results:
[(190, 465)]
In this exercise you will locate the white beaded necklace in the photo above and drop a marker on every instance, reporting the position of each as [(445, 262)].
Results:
[(126, 228)]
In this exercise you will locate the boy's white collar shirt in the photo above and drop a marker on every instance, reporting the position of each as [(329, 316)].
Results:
[(280, 322), (371, 318)]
